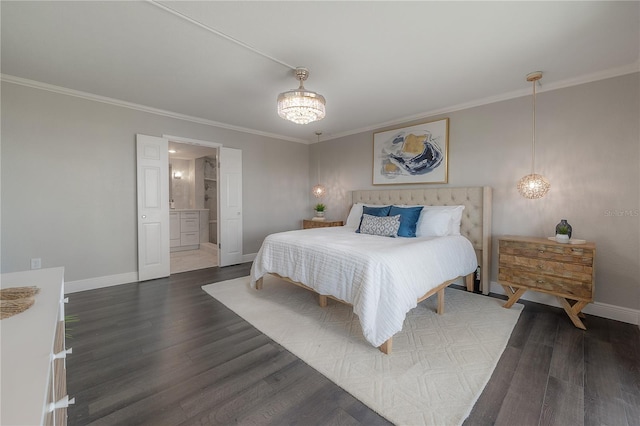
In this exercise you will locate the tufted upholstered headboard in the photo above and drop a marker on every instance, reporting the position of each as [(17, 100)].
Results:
[(476, 217)]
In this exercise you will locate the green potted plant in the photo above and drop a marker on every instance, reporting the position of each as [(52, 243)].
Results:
[(562, 233), (319, 209)]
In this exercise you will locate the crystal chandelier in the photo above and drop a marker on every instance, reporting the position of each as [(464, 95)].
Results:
[(300, 105), (533, 185)]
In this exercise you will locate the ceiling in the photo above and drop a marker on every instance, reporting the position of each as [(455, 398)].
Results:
[(376, 63)]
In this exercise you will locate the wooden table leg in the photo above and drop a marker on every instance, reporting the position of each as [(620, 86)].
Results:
[(513, 295), (573, 311), (259, 283)]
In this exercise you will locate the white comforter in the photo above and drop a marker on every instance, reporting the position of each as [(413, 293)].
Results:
[(381, 277)]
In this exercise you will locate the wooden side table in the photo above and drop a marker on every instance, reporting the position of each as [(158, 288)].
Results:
[(539, 264), (308, 224)]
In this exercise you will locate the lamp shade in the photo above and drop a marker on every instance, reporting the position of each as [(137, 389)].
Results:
[(319, 191), (533, 186)]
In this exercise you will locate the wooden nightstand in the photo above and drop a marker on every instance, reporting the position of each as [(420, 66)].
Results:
[(563, 270), (307, 224)]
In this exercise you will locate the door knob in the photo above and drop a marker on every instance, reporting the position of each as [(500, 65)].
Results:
[(144, 216)]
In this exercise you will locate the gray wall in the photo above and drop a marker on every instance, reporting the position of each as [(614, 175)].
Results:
[(587, 146), (69, 185)]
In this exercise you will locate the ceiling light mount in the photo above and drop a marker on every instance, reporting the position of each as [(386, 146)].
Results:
[(534, 76), (300, 105)]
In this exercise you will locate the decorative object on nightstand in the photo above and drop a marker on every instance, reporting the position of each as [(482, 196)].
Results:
[(533, 185), (320, 209), (562, 233), (564, 225), (313, 223), (539, 264)]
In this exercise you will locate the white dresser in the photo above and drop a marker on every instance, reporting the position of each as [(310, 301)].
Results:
[(34, 386)]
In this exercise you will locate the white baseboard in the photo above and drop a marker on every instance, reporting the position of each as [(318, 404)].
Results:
[(126, 278), (604, 310), (99, 282)]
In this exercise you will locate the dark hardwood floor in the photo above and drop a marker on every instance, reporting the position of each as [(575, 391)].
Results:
[(163, 352)]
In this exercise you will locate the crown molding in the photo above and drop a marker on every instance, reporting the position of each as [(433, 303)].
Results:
[(588, 78), (143, 108)]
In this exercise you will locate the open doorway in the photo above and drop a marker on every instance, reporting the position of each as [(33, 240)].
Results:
[(193, 193)]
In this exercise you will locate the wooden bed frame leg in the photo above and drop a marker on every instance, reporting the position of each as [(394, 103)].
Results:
[(322, 301), (469, 281), (259, 284), (440, 309), (385, 348)]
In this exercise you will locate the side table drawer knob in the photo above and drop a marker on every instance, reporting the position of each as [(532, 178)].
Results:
[(540, 281)]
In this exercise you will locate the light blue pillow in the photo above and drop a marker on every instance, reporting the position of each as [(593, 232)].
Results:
[(408, 219), (373, 211), (384, 226)]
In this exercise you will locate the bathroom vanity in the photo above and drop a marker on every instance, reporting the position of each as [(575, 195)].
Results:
[(187, 228)]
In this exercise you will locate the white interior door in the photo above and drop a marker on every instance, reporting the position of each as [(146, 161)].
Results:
[(230, 206), (153, 207)]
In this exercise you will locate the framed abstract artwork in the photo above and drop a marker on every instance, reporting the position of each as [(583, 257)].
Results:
[(414, 154)]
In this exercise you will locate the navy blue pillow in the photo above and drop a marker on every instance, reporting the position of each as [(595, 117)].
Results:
[(408, 219), (373, 211)]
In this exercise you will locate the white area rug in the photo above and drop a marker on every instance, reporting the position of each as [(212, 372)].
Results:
[(439, 364)]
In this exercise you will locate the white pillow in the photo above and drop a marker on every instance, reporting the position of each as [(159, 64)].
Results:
[(454, 213), (355, 214), (433, 223)]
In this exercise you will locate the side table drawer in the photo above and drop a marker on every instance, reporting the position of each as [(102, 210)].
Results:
[(581, 271), (565, 253), (561, 286), (308, 224)]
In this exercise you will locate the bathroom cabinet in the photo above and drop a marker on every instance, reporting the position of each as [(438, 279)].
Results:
[(184, 230)]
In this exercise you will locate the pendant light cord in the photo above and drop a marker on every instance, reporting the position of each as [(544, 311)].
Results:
[(219, 33), (533, 144)]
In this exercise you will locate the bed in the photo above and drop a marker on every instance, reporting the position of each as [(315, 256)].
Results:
[(383, 278)]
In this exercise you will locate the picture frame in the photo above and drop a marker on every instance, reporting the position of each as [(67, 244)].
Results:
[(412, 155)]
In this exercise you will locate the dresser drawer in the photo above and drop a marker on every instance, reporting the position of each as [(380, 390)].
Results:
[(189, 225), (564, 253), (580, 271), (558, 285), (190, 215), (189, 239)]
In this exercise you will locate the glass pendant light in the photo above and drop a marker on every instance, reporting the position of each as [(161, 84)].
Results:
[(533, 185)]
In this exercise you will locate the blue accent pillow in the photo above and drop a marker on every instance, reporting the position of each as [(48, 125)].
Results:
[(373, 211), (408, 219)]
